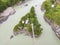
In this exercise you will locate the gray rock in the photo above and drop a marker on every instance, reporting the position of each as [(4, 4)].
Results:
[(11, 36), (5, 14), (56, 29)]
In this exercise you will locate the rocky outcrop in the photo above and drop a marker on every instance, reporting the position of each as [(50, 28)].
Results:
[(9, 11), (5, 14), (54, 26), (28, 25), (24, 31)]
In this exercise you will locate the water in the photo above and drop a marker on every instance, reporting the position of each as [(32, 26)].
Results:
[(6, 29)]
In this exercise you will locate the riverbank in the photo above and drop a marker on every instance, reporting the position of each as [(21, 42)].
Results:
[(8, 12), (5, 14), (54, 27), (52, 15)]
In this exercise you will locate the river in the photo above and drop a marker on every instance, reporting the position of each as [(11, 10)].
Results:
[(47, 37)]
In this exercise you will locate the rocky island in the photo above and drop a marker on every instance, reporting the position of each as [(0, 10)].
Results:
[(6, 8), (52, 14), (25, 25)]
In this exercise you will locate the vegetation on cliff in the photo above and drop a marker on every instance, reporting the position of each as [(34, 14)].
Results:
[(31, 16), (52, 8)]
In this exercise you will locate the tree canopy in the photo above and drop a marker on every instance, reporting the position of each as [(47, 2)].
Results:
[(7, 3), (32, 19), (52, 14)]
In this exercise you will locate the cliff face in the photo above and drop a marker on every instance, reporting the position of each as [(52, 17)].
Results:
[(55, 28), (52, 16), (5, 14), (6, 8)]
